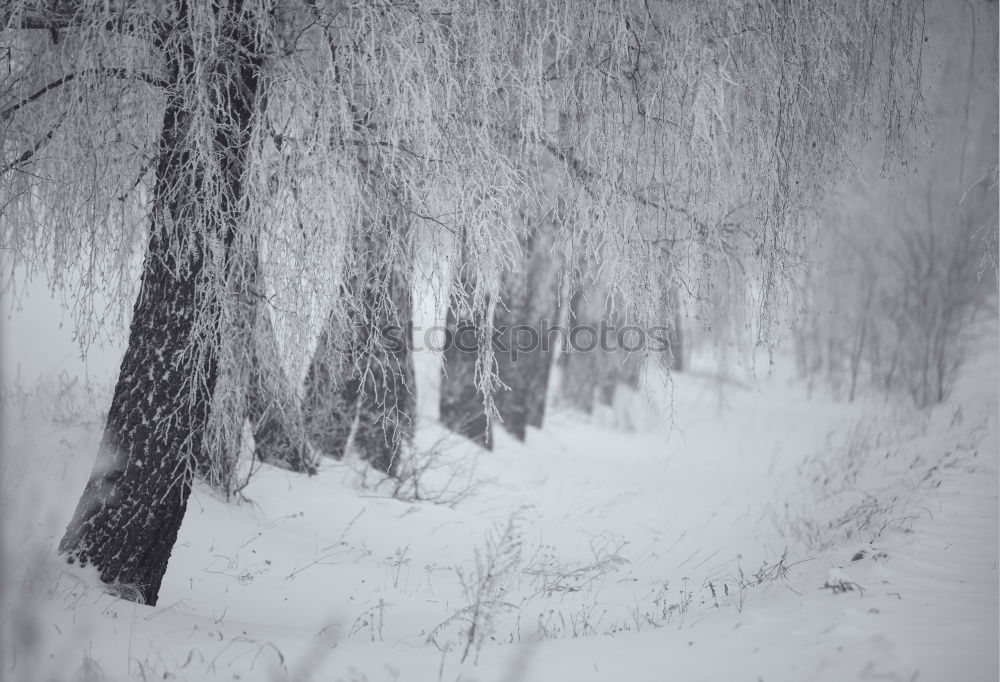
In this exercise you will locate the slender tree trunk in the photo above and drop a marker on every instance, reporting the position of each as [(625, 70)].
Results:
[(615, 368), (128, 517), (530, 303), (542, 290), (215, 462), (618, 366), (272, 406), (580, 369), (595, 365), (676, 334), (387, 403), (630, 369), (677, 347), (252, 385), (511, 397), (362, 370), (461, 406), (539, 363), (332, 388), (859, 347), (608, 382), (538, 371)]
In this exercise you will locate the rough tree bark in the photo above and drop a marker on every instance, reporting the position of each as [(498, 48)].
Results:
[(131, 509)]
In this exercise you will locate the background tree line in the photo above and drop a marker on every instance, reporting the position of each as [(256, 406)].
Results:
[(906, 265)]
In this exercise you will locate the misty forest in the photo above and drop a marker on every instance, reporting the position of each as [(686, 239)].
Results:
[(486, 340)]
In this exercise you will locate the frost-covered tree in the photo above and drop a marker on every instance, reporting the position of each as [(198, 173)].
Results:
[(253, 386), (460, 407), (587, 369), (196, 159), (362, 369), (186, 129), (526, 310)]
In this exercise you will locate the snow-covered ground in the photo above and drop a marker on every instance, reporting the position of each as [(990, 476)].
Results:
[(756, 534)]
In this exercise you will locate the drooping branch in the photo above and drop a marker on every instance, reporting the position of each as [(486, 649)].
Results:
[(26, 155), (73, 15), (114, 73), (127, 519)]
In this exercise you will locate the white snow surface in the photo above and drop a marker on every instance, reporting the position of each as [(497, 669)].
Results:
[(688, 533)]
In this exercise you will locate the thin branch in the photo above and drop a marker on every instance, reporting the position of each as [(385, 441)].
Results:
[(589, 176), (58, 19), (28, 153), (59, 82)]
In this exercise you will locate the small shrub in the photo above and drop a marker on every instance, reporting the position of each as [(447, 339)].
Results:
[(485, 585)]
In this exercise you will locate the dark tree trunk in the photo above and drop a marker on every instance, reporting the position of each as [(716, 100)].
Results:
[(610, 367), (510, 397), (272, 407), (128, 517), (530, 300), (362, 369), (527, 307), (252, 385), (215, 462), (675, 330), (524, 371), (677, 349), (607, 384), (539, 363), (461, 406), (594, 366), (387, 402), (538, 370), (581, 370), (332, 389), (131, 509), (614, 369)]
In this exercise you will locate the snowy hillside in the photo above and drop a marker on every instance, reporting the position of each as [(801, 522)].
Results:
[(758, 535)]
